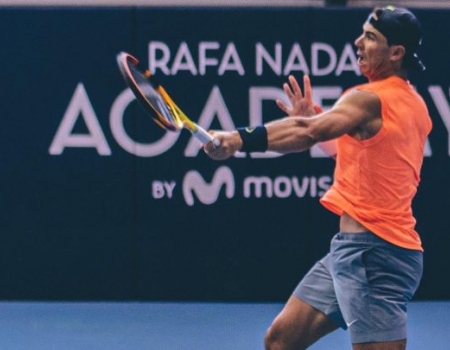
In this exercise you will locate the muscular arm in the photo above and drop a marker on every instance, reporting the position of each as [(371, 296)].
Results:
[(354, 114)]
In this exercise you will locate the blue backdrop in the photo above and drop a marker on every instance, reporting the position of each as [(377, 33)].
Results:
[(98, 203)]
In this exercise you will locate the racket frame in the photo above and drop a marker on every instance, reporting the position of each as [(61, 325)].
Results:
[(179, 120)]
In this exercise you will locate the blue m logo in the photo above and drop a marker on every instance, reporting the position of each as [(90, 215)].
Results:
[(207, 193)]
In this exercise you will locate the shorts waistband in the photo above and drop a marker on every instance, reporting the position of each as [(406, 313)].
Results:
[(365, 236)]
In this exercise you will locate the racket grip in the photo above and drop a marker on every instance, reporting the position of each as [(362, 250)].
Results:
[(203, 136)]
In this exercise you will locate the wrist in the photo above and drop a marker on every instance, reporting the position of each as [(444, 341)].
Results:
[(237, 141), (318, 109), (253, 139)]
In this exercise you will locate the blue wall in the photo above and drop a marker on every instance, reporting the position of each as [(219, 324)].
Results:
[(98, 203)]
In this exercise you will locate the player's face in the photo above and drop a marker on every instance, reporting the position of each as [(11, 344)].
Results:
[(373, 53)]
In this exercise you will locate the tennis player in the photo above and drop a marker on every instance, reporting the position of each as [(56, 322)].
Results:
[(375, 261)]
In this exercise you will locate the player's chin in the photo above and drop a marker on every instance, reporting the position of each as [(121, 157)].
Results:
[(364, 71)]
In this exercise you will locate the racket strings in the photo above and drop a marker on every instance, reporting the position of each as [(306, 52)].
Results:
[(164, 115), (154, 97)]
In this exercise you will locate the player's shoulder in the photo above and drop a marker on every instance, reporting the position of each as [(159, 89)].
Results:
[(365, 98)]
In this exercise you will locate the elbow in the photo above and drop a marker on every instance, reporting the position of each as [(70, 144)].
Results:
[(305, 136), (305, 141)]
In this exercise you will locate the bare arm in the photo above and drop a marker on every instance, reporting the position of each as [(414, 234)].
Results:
[(295, 134), (303, 105), (356, 113)]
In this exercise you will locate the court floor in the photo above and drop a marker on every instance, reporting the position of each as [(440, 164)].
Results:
[(179, 326)]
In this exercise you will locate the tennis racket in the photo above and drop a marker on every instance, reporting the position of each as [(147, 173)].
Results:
[(155, 100)]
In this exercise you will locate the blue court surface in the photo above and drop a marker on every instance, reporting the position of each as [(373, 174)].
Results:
[(179, 326)]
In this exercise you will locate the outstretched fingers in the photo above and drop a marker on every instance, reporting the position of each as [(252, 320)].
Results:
[(308, 90), (297, 91), (301, 101)]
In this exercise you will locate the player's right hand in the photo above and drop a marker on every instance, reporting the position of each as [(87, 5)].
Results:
[(301, 104)]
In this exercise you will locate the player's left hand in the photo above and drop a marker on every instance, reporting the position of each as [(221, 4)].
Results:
[(230, 143)]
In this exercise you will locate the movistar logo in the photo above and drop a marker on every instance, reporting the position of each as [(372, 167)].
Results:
[(208, 193)]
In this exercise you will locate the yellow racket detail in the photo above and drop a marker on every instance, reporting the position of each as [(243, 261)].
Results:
[(156, 101)]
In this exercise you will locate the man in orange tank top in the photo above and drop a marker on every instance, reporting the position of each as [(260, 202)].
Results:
[(377, 131)]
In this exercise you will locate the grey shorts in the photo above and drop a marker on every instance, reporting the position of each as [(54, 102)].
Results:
[(364, 284)]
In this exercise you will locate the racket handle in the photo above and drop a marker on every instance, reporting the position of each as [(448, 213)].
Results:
[(203, 136)]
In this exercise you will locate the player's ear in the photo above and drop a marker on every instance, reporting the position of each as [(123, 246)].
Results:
[(397, 52)]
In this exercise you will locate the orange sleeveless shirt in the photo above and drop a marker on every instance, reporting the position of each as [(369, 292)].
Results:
[(375, 180)]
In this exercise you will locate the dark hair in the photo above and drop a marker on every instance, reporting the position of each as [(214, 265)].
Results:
[(400, 27)]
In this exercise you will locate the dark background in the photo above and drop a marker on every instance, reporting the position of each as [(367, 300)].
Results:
[(84, 226)]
